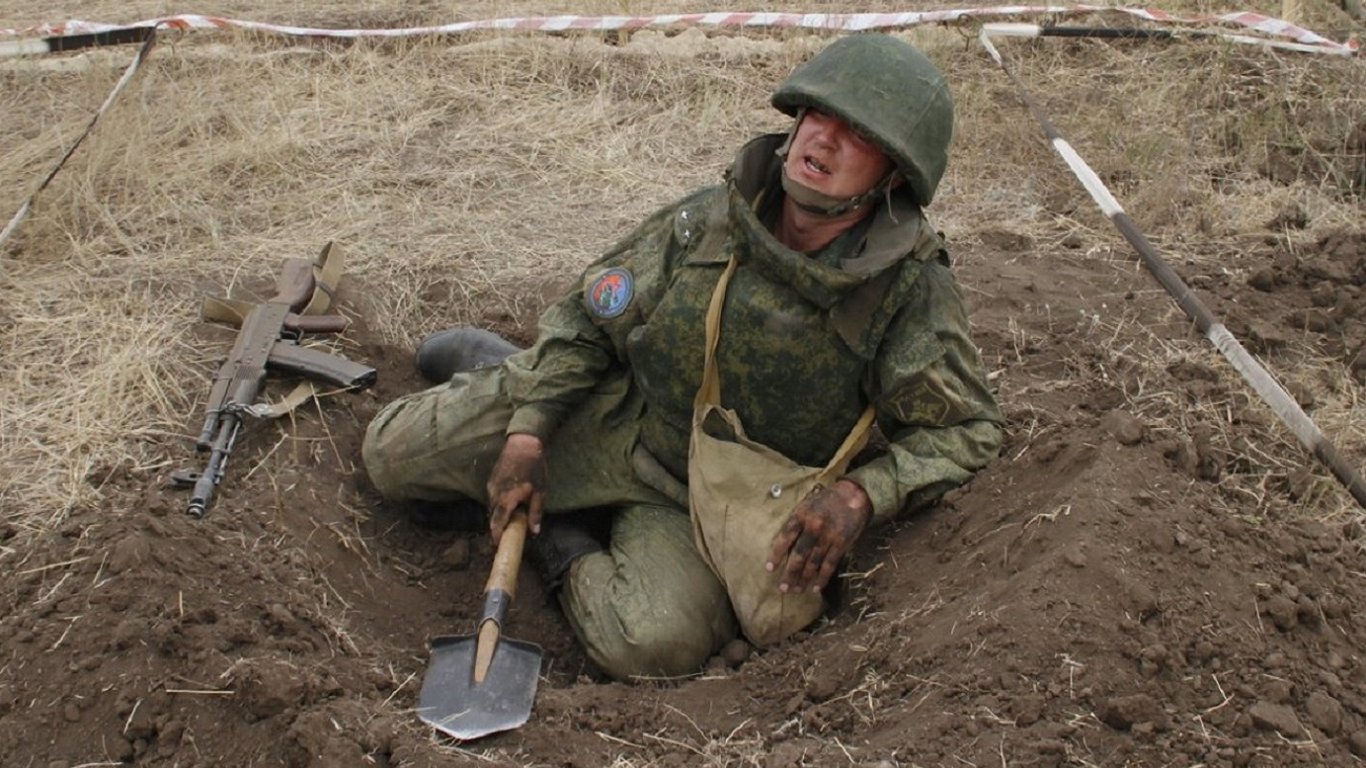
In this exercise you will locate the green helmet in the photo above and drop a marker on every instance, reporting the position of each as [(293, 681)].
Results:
[(891, 93)]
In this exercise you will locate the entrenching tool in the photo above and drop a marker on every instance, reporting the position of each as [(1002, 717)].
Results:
[(484, 683)]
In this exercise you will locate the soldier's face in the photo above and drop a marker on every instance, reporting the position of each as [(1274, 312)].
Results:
[(829, 156)]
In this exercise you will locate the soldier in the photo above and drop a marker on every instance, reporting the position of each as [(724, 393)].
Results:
[(726, 358)]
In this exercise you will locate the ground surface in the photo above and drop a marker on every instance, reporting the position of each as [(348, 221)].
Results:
[(1152, 574)]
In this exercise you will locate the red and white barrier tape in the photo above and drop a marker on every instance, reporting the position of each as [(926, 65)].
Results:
[(843, 22)]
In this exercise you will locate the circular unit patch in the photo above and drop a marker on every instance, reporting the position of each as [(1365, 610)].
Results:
[(610, 294)]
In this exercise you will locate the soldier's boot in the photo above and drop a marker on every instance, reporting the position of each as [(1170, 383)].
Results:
[(455, 350), (562, 540)]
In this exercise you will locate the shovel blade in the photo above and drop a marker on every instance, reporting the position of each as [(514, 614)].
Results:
[(454, 704)]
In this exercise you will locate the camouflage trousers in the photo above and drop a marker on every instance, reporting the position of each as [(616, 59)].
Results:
[(649, 605)]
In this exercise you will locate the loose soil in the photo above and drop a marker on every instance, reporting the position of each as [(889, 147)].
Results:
[(1145, 577), (1092, 598)]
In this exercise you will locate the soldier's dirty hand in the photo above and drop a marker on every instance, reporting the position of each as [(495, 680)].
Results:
[(517, 480), (820, 531)]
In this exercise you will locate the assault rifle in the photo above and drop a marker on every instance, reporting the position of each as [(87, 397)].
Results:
[(268, 339)]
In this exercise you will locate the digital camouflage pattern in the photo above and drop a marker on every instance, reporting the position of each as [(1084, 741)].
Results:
[(796, 375), (806, 342), (887, 90)]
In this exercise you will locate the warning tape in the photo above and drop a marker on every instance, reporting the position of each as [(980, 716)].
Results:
[(1261, 381), (841, 22)]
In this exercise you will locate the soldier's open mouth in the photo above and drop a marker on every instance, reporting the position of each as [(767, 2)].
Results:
[(816, 166)]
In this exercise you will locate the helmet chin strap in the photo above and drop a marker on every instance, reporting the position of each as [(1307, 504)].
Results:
[(823, 205), (818, 203)]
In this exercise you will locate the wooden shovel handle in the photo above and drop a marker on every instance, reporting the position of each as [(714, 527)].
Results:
[(502, 584), (508, 559)]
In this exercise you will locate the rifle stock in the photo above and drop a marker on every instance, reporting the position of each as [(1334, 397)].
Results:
[(267, 341)]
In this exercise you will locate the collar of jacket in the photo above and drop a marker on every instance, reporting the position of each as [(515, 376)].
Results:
[(865, 255), (896, 228)]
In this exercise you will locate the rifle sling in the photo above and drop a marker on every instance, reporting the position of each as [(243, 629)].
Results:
[(327, 271), (305, 391)]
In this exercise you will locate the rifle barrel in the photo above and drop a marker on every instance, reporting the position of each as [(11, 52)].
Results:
[(229, 424)]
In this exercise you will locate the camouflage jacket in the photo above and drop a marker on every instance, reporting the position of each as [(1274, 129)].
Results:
[(806, 341)]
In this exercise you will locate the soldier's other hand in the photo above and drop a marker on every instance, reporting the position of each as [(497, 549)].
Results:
[(820, 531), (517, 480)]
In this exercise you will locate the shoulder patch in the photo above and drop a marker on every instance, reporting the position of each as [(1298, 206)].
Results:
[(610, 293)]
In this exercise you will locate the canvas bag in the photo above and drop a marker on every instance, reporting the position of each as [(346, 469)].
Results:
[(741, 492)]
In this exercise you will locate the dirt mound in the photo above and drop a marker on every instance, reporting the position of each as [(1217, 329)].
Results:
[(1091, 598), (1153, 572)]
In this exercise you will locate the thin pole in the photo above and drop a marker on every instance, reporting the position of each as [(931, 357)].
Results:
[(128, 73), (1265, 385)]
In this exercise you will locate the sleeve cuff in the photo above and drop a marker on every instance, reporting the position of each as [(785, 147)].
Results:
[(536, 420), (877, 481)]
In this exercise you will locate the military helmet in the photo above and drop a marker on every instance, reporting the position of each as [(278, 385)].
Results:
[(887, 90)]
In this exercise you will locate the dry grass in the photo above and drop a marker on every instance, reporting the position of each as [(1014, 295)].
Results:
[(482, 166), (1261, 468), (1185, 153), (201, 179)]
